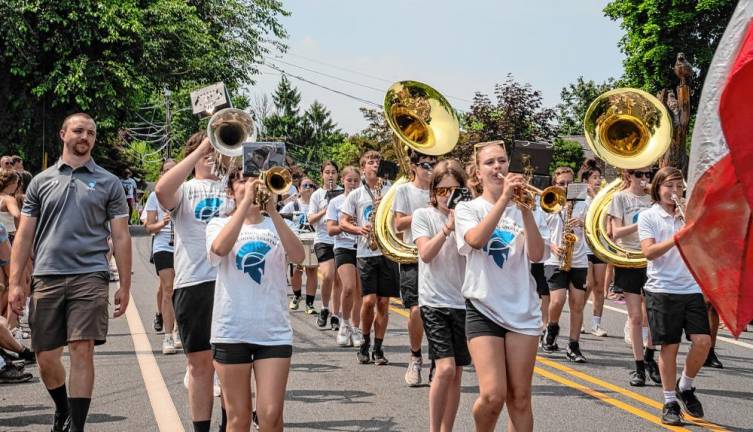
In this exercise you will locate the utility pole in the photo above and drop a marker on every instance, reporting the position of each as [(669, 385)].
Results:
[(168, 122)]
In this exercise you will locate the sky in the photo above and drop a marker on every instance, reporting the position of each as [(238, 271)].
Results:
[(458, 47)]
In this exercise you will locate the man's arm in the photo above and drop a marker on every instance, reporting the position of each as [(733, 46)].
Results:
[(121, 243), (19, 256)]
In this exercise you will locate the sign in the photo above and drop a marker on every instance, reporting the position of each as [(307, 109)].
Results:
[(207, 100), (261, 156)]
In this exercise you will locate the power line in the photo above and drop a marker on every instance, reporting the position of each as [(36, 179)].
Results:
[(328, 75)]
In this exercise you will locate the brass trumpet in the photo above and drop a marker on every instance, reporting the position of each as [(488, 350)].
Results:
[(277, 181), (552, 199), (680, 206)]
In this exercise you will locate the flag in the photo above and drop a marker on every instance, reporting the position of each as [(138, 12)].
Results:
[(717, 239)]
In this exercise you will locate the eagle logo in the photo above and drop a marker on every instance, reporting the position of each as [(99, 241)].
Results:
[(498, 246), (207, 209), (250, 259)]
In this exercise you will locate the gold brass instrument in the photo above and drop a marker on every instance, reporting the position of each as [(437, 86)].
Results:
[(567, 243), (277, 181), (422, 119), (552, 199), (629, 129), (680, 206), (376, 196), (228, 129)]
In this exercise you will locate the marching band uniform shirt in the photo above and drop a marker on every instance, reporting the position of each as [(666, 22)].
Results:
[(408, 199), (556, 230), (343, 240), (667, 274), (542, 221), (359, 204), (627, 206), (439, 281), (300, 216), (588, 201), (497, 279), (162, 238), (200, 201), (250, 300), (317, 203)]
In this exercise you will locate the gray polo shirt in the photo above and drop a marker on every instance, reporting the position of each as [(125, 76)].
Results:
[(73, 208)]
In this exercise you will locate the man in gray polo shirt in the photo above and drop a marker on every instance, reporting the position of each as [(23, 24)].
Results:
[(65, 221)]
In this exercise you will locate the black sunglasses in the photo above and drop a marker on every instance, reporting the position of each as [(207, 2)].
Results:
[(428, 166), (442, 191), (309, 186), (641, 174)]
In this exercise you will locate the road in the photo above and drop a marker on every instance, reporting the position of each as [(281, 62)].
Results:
[(139, 389)]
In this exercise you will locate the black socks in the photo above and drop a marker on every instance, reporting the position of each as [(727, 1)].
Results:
[(60, 397), (640, 366), (416, 353), (201, 426), (79, 411), (297, 294), (648, 355), (377, 344), (310, 300), (367, 339)]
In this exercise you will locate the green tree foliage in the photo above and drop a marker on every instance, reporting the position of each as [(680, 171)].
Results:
[(575, 99), (566, 153), (656, 30)]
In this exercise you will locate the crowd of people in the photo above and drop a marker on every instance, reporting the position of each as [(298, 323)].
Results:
[(488, 287)]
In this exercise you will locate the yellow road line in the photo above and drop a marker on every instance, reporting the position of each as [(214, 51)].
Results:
[(159, 397)]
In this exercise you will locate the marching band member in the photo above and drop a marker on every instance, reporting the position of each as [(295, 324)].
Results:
[(673, 298), (250, 323), (503, 317), (440, 279), (298, 209), (597, 269), (349, 333)]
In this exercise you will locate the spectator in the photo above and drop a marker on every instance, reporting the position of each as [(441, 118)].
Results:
[(129, 185)]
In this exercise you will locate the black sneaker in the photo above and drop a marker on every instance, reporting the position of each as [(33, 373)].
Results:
[(321, 320), (379, 358), (61, 422), (671, 415), (690, 403), (550, 339), (334, 323), (573, 353), (10, 374), (712, 361), (158, 323), (363, 354), (637, 378), (652, 368)]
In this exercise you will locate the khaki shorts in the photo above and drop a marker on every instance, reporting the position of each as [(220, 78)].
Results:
[(68, 308)]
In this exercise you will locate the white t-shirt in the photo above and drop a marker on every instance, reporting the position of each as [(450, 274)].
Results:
[(556, 228), (300, 216), (162, 238), (439, 281), (542, 221), (129, 185), (627, 206), (408, 199), (343, 240), (668, 273), (358, 204), (200, 201), (250, 300), (497, 277), (317, 203)]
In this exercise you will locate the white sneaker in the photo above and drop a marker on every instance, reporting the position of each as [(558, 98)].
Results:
[(344, 336), (217, 389), (413, 374), (185, 379), (176, 341), (168, 345), (626, 330), (357, 337), (598, 331)]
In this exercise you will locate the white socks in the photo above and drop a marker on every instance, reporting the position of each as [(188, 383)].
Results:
[(595, 321), (686, 383), (669, 396)]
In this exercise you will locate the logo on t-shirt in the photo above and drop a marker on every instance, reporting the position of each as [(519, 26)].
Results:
[(207, 209), (251, 259), (367, 212), (635, 216), (498, 246)]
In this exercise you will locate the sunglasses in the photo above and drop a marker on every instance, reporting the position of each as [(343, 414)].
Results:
[(442, 191), (641, 174), (428, 166), (308, 186)]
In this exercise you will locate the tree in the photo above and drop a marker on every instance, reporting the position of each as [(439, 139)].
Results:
[(576, 98), (566, 153), (657, 30)]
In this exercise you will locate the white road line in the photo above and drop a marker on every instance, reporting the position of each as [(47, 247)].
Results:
[(719, 337), (162, 404)]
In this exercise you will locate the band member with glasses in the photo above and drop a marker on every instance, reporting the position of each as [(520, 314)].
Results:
[(250, 323), (503, 316), (440, 279), (410, 197), (324, 245), (297, 209), (597, 269), (674, 300), (626, 205)]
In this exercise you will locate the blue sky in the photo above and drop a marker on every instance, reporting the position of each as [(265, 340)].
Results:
[(458, 47)]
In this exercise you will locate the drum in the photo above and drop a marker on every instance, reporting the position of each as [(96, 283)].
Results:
[(307, 238)]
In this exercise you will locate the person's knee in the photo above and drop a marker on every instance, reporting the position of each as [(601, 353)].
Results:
[(200, 365), (493, 401), (383, 305), (270, 416), (444, 372), (81, 350), (369, 302), (238, 420), (519, 400), (47, 359), (702, 342)]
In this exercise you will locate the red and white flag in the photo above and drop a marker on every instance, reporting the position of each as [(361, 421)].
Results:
[(717, 240)]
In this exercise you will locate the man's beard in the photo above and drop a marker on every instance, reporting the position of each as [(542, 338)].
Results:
[(76, 149)]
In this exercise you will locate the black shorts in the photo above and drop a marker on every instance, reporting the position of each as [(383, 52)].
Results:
[(477, 324), (379, 276), (243, 353), (593, 259), (445, 331), (630, 280), (558, 279), (537, 271), (324, 252), (671, 314), (163, 260), (345, 256), (193, 313), (409, 285)]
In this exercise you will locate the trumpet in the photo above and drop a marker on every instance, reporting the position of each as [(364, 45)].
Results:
[(277, 181), (679, 206), (552, 199)]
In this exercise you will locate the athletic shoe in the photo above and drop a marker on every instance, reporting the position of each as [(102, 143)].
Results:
[(61, 422), (363, 354), (344, 336), (185, 379), (573, 353), (637, 379), (10, 374), (652, 369), (293, 305), (310, 309), (321, 320), (27, 356), (334, 323), (712, 361), (379, 358), (217, 389), (550, 339), (413, 374), (598, 331), (158, 323), (168, 345), (690, 403), (626, 332), (582, 330), (671, 415), (176, 341), (357, 337)]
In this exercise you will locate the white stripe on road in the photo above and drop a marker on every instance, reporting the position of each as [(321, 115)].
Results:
[(162, 404)]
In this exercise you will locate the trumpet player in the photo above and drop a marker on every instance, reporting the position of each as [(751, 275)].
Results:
[(566, 271)]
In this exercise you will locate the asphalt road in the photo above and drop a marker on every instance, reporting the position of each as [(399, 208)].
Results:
[(139, 389)]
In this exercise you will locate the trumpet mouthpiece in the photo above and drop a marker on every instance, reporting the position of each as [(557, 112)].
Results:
[(500, 175)]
